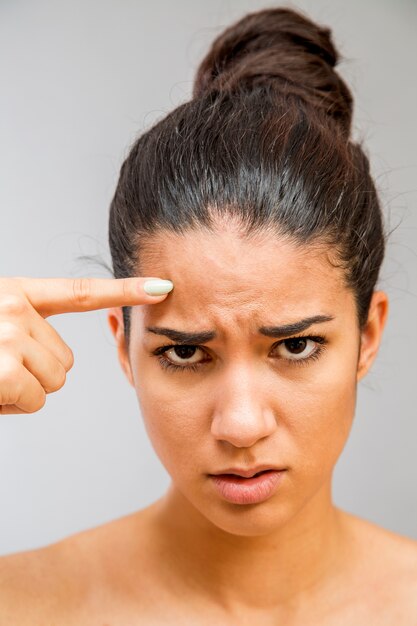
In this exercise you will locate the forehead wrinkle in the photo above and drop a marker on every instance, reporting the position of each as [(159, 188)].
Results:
[(223, 254), (218, 303), (277, 285), (225, 321), (228, 319)]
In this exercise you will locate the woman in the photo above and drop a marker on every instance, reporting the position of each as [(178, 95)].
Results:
[(255, 221)]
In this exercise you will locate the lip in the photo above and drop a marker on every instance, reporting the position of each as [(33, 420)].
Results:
[(240, 490), (247, 473)]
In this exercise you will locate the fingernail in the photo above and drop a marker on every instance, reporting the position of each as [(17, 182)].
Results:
[(157, 286)]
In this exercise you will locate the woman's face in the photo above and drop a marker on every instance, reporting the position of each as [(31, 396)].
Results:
[(247, 398)]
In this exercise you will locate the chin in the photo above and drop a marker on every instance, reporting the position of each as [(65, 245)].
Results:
[(248, 520)]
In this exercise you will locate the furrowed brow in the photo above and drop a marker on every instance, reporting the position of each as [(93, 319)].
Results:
[(183, 337), (295, 327), (192, 338)]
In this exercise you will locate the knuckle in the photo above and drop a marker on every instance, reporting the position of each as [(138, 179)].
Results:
[(127, 289), (68, 358), (81, 288), (10, 334), (12, 304), (60, 377), (39, 403), (10, 373), (10, 382)]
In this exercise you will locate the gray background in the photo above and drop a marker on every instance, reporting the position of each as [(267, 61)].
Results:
[(80, 80)]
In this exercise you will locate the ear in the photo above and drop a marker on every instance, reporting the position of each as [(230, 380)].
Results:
[(372, 333), (115, 320)]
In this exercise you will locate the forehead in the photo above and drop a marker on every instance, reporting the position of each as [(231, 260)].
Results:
[(222, 277)]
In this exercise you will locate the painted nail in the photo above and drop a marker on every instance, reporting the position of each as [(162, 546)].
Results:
[(157, 286)]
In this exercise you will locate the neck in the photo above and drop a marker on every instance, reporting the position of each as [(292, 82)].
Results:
[(284, 568)]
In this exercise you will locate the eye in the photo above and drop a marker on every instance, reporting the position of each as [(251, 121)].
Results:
[(180, 357), (183, 355), (300, 348), (293, 351)]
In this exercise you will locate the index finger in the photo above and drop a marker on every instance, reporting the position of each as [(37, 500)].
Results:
[(51, 296)]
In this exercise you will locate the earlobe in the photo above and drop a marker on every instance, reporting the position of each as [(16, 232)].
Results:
[(116, 324), (371, 335)]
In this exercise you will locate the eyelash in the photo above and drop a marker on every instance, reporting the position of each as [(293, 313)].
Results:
[(166, 364)]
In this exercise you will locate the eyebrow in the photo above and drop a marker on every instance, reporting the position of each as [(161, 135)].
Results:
[(204, 336)]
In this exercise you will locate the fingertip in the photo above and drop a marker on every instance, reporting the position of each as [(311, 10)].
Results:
[(157, 287)]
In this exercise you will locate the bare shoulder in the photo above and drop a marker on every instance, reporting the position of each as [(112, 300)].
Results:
[(382, 542), (62, 581), (33, 584), (388, 565), (41, 584)]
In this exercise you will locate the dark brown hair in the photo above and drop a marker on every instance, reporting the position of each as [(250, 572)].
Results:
[(265, 138)]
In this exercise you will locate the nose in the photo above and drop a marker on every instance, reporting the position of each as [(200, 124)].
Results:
[(243, 413)]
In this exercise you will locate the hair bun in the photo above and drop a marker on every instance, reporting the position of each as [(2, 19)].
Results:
[(284, 49)]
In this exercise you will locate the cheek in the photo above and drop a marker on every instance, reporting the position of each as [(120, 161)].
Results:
[(320, 419), (177, 422)]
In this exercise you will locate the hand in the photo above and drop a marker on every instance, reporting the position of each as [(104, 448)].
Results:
[(34, 360)]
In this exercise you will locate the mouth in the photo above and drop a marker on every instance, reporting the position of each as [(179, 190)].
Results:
[(248, 473), (250, 489), (237, 476)]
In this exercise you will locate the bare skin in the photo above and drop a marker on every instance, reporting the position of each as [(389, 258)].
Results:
[(112, 576), (191, 557)]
